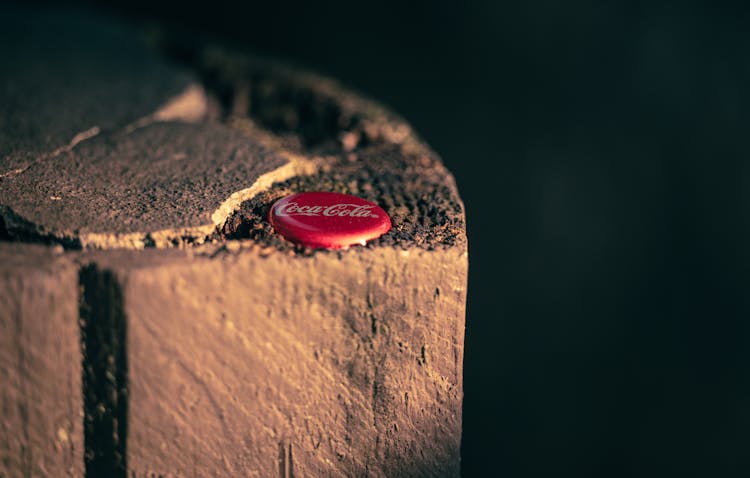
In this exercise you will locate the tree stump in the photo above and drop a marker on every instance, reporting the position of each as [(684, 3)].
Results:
[(159, 326)]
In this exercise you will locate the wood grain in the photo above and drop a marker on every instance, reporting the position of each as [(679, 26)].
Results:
[(332, 365), (40, 364)]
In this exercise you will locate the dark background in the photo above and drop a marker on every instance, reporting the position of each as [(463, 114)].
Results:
[(602, 153)]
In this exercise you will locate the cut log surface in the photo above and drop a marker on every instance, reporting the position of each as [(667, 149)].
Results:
[(50, 99), (201, 342), (159, 183)]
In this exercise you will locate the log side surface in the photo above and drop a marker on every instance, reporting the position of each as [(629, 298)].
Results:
[(332, 365), (41, 411)]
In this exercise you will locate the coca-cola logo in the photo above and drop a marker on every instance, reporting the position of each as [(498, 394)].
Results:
[(327, 220), (334, 210)]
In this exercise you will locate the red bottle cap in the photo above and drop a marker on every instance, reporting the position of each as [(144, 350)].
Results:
[(328, 220)]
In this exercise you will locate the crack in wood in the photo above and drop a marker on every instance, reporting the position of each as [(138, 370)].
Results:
[(105, 374), (286, 462)]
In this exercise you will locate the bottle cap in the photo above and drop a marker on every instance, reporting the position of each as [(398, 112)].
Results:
[(328, 220)]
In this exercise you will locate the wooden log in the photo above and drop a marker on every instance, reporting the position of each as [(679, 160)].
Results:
[(41, 410), (212, 346)]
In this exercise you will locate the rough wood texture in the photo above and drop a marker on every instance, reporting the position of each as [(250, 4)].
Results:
[(241, 354), (350, 363), (40, 364), (153, 186), (50, 98)]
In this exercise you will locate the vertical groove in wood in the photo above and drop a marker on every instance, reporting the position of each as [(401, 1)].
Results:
[(105, 373)]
